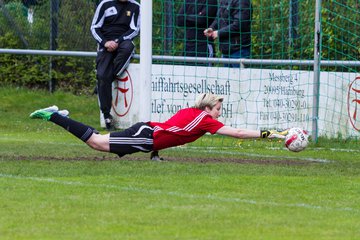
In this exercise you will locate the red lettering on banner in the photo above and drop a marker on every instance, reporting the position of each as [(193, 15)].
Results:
[(353, 102), (122, 94)]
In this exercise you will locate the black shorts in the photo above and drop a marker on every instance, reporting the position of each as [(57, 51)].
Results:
[(137, 138)]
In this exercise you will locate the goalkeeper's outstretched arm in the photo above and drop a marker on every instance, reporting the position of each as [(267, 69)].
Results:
[(247, 133)]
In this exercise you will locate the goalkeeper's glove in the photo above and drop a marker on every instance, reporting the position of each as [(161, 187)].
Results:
[(273, 134)]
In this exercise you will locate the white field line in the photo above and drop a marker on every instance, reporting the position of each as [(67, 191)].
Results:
[(182, 195)]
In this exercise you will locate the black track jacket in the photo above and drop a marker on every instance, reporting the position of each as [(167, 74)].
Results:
[(116, 20), (233, 23), (196, 16)]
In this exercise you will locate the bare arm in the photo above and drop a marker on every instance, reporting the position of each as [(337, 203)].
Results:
[(247, 133), (238, 133)]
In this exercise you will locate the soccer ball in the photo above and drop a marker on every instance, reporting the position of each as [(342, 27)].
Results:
[(296, 140)]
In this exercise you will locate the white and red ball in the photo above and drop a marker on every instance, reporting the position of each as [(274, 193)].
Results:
[(297, 139)]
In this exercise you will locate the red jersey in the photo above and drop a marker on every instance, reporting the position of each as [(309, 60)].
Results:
[(185, 126)]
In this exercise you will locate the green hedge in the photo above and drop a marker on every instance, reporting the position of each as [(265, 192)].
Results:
[(270, 38), (73, 74)]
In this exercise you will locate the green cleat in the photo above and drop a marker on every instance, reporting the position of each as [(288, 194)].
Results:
[(44, 113)]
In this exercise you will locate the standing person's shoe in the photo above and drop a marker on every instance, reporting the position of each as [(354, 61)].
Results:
[(109, 123)]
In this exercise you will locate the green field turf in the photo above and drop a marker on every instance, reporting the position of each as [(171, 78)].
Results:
[(52, 186)]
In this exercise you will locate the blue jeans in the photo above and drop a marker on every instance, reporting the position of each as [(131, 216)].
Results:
[(243, 53)]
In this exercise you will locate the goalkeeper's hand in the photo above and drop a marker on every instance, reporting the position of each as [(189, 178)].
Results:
[(274, 134)]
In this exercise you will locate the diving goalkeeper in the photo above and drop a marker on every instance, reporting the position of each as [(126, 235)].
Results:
[(185, 126)]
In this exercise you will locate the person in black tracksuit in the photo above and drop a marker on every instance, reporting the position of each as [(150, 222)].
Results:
[(115, 24), (233, 28), (195, 15)]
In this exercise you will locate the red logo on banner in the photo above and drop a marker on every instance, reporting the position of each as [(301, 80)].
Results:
[(122, 94), (354, 103)]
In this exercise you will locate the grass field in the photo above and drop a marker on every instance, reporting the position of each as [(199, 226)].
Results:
[(52, 186)]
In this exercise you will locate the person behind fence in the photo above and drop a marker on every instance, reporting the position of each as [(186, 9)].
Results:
[(232, 27), (114, 26), (194, 16), (187, 125)]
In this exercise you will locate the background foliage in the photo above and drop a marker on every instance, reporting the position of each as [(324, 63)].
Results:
[(71, 73), (272, 36)]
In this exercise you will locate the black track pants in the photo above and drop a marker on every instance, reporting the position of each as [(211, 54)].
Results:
[(108, 65)]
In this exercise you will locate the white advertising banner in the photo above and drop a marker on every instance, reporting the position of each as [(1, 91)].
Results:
[(253, 98)]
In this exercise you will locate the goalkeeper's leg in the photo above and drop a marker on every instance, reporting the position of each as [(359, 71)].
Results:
[(85, 133)]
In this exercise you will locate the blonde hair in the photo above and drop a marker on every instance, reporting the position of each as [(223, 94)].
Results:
[(207, 100)]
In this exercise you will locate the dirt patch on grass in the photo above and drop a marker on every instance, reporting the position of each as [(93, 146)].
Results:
[(110, 157)]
